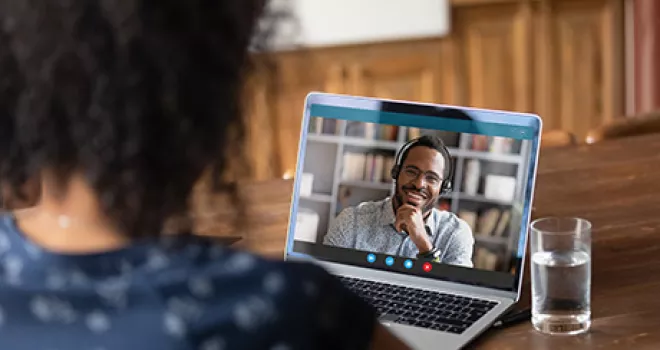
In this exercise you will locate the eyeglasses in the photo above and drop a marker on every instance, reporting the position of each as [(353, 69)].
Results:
[(429, 178)]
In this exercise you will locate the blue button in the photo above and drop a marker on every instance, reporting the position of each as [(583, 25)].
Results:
[(408, 264), (371, 258), (389, 261)]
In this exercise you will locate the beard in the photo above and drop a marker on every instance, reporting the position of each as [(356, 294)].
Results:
[(429, 203)]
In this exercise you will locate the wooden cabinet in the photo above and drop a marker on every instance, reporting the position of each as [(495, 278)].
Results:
[(493, 45), (578, 56), (561, 59), (409, 76)]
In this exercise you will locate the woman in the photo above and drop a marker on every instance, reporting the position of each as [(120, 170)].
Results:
[(119, 106)]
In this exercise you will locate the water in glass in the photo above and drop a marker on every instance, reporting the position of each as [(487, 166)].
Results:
[(561, 291)]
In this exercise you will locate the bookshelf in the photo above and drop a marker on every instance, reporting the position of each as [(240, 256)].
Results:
[(350, 163)]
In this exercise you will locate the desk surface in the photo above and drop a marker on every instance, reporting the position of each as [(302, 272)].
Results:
[(616, 186)]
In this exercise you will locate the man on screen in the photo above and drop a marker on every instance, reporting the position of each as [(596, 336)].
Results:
[(408, 224)]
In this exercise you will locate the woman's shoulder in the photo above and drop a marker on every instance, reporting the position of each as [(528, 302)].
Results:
[(295, 302), (233, 289), (208, 269)]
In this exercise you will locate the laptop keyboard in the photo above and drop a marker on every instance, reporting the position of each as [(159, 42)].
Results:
[(419, 307)]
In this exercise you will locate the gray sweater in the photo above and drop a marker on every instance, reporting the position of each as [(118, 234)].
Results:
[(368, 227)]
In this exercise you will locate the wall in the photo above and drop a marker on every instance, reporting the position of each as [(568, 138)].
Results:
[(561, 59), (646, 55), (342, 22)]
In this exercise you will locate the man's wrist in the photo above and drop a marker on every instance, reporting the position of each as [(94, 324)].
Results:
[(433, 254), (425, 248)]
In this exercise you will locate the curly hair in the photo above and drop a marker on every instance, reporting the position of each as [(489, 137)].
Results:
[(141, 97)]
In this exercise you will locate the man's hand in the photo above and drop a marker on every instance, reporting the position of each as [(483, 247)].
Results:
[(409, 219)]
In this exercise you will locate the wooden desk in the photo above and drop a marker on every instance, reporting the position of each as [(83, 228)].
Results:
[(262, 230), (616, 186)]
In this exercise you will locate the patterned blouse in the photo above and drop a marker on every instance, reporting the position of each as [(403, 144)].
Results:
[(171, 293)]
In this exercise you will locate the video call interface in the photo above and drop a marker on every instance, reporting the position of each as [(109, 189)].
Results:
[(413, 199)]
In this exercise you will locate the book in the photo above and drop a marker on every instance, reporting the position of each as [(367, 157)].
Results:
[(369, 166)]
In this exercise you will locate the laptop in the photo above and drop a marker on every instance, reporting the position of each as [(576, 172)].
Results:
[(371, 173)]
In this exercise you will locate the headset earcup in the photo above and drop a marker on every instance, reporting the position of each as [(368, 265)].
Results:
[(394, 172), (446, 187)]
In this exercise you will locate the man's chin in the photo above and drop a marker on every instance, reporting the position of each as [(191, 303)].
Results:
[(422, 206)]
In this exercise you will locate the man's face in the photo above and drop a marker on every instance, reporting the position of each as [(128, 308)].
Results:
[(420, 178)]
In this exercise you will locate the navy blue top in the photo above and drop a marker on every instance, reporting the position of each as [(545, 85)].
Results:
[(171, 293)]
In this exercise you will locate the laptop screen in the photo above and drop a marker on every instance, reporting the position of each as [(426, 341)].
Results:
[(433, 191)]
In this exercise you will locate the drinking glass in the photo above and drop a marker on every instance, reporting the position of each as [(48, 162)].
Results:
[(561, 275)]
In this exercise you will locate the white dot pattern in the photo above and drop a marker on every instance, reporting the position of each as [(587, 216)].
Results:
[(174, 325), (274, 282), (51, 309), (214, 343), (5, 244), (33, 252), (157, 259), (201, 287), (98, 322), (13, 267), (253, 312), (2, 316), (204, 295)]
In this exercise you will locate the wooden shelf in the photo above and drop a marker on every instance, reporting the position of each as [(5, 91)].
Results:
[(381, 144), (491, 157), (491, 239), (367, 184), (324, 138), (316, 197), (481, 198), (395, 145)]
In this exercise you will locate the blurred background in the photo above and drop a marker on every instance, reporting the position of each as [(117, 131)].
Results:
[(579, 64), (589, 68)]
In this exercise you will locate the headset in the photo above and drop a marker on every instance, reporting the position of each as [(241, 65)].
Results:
[(445, 188)]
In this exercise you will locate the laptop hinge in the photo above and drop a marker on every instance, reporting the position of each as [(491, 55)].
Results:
[(412, 280)]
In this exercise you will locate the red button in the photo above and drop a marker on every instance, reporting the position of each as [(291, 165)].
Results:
[(427, 267)]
